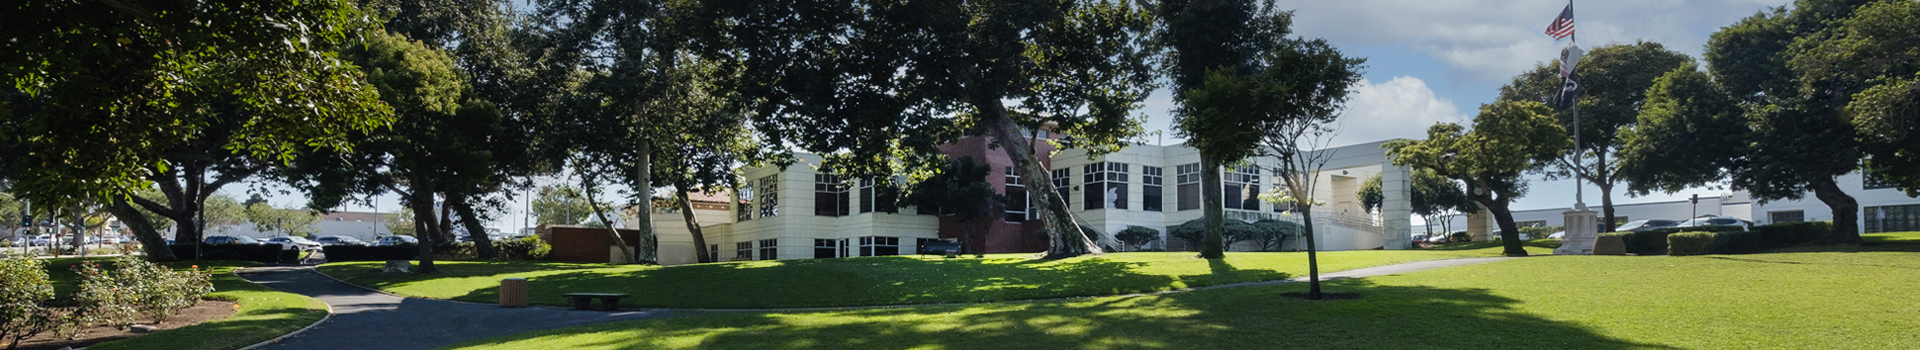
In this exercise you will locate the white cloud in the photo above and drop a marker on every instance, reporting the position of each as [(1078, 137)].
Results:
[(1402, 107), (1488, 41)]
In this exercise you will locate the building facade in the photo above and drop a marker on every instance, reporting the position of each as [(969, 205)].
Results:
[(799, 212), (1883, 208)]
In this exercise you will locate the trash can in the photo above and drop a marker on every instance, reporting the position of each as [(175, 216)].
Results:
[(513, 292)]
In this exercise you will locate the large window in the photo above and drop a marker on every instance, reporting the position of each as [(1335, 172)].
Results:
[(830, 196), (1187, 177), (1105, 185), (769, 249), (866, 195), (879, 246), (1150, 181), (1242, 186), (1893, 218), (825, 249), (1016, 192), (769, 196), (743, 251), (1062, 182), (744, 206), (1786, 216), (876, 195)]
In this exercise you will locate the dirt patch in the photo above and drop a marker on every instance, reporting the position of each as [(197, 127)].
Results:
[(206, 310)]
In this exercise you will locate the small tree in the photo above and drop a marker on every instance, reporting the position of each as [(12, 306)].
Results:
[(1508, 139), (959, 188), (1137, 236)]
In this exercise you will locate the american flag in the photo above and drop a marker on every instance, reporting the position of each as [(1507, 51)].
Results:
[(1562, 26)]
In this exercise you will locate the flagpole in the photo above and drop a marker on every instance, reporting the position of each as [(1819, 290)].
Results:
[(1579, 195)]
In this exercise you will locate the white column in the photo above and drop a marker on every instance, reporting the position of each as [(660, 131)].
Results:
[(1582, 230), (1396, 209)]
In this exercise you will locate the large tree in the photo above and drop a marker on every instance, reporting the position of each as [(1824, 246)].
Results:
[(1872, 50), (1213, 44), (1509, 139), (860, 81), (1614, 81)]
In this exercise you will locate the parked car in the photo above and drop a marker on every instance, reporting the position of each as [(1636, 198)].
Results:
[(294, 242), (17, 241), (396, 240), (225, 239), (41, 240), (109, 240), (339, 240), (1646, 225), (1420, 237), (1437, 239), (1716, 221)]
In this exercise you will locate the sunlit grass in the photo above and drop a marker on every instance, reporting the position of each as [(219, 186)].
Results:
[(1826, 300), (872, 280), (264, 313)]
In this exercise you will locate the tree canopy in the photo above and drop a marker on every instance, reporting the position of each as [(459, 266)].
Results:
[(1509, 138)]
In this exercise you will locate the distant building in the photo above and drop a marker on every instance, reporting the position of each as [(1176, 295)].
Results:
[(365, 226), (801, 213), (1882, 209)]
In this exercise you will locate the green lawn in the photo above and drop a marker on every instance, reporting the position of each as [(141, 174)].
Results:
[(264, 313), (1825, 300), (869, 281)]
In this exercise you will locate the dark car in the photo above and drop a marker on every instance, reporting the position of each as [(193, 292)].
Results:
[(340, 240), (225, 239), (1647, 225), (1716, 221), (938, 247)]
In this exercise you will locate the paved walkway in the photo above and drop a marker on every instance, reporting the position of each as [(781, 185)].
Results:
[(362, 317)]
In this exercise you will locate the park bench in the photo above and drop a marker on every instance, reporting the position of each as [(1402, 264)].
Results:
[(584, 301)]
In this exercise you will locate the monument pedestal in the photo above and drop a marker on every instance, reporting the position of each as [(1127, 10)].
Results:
[(1582, 229)]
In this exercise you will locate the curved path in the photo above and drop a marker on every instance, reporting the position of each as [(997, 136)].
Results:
[(364, 318)]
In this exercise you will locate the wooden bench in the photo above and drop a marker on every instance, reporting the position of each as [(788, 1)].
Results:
[(584, 301)]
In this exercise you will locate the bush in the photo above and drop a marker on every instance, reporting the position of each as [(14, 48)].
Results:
[(1792, 233), (530, 247), (1458, 237), (336, 253), (1690, 243), (455, 251), (24, 291), (113, 297), (105, 250), (1654, 242)]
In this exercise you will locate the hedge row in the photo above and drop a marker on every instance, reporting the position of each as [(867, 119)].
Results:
[(267, 253), (1759, 239), (1654, 242), (338, 253)]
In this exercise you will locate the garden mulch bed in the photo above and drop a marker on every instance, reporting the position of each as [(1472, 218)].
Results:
[(206, 310)]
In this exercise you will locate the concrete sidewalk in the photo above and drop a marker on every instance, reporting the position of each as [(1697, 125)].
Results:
[(365, 319)]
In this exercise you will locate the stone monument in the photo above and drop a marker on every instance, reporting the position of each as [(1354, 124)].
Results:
[(1582, 229)]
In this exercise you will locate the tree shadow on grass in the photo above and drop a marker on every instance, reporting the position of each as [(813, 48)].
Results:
[(1390, 317), (857, 282)]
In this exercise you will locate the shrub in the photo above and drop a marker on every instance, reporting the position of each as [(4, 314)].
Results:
[(1792, 233), (106, 250), (1690, 243), (1137, 236), (525, 248), (24, 291), (1458, 237), (105, 297), (455, 251), (337, 253), (1654, 242)]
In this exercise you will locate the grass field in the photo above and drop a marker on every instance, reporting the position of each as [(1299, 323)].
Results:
[(871, 280), (264, 313), (1827, 300)]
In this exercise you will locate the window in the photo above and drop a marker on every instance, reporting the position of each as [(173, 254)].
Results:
[(830, 195), (743, 251), (1187, 176), (770, 196), (745, 205), (879, 246), (1893, 218), (1106, 185), (1150, 180), (825, 249), (713, 251), (1870, 180), (866, 195), (1016, 198), (1786, 216), (1062, 182), (769, 249), (1242, 184)]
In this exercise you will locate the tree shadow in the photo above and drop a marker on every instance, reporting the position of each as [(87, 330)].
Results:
[(1390, 317)]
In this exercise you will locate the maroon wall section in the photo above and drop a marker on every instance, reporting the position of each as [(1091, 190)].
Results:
[(1001, 236), (582, 244)]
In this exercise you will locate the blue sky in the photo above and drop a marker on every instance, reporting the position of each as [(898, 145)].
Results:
[(1435, 61)]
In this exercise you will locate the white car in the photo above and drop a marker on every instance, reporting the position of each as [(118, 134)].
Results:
[(397, 240), (294, 242)]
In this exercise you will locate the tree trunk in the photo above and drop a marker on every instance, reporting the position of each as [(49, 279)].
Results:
[(1213, 210), (626, 252), (1846, 213), (444, 230), (482, 244), (1509, 231), (424, 222), (645, 250), (693, 225), (150, 240), (1064, 237), (1313, 253)]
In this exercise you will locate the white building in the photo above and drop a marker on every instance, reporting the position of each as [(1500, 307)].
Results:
[(1882, 209)]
